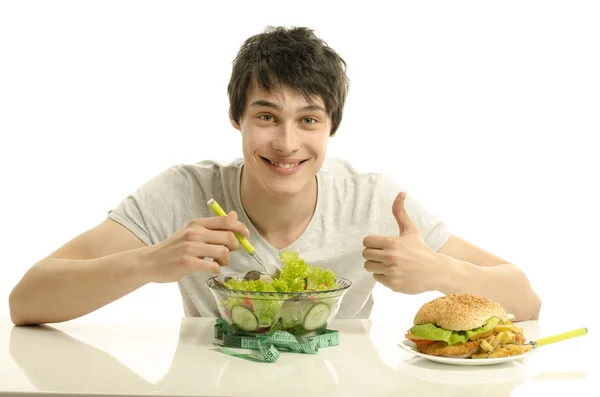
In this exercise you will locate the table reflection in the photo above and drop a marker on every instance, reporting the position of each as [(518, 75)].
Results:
[(365, 363)]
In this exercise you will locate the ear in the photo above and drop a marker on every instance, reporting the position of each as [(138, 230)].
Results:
[(234, 124)]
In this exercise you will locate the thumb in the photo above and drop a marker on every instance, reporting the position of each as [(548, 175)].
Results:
[(405, 223), (233, 214)]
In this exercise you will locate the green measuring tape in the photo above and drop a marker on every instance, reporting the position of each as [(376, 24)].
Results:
[(268, 345)]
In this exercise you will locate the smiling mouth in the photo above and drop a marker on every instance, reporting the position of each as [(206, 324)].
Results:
[(283, 165)]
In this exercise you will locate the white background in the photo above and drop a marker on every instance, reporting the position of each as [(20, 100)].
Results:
[(486, 111)]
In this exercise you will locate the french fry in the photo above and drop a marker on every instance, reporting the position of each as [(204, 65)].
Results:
[(503, 327), (518, 349), (504, 351), (482, 354), (485, 345), (498, 338), (508, 327), (499, 352)]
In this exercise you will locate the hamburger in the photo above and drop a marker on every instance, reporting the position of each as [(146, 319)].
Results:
[(465, 326)]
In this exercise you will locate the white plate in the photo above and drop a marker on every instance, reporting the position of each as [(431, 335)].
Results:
[(411, 347)]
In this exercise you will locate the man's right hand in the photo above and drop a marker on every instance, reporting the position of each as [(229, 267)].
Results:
[(186, 251)]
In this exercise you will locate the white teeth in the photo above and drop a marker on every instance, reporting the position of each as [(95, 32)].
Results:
[(281, 165)]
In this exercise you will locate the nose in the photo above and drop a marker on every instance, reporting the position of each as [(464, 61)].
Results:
[(286, 139)]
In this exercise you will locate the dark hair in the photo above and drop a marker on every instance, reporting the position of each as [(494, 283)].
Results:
[(293, 57)]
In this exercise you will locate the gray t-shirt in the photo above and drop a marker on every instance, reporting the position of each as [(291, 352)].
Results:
[(350, 206)]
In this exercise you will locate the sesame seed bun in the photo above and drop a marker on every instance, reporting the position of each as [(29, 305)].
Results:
[(459, 312)]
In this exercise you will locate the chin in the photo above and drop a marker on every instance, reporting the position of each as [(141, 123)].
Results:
[(286, 188)]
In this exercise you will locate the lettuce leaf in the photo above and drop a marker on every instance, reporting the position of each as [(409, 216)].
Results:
[(296, 276), (319, 279), (249, 285), (433, 332)]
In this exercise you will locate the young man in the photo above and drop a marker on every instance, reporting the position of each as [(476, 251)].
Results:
[(287, 94)]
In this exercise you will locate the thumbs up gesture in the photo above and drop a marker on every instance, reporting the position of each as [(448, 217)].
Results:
[(403, 263)]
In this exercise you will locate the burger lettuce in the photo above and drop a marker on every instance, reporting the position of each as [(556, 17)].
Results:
[(433, 332)]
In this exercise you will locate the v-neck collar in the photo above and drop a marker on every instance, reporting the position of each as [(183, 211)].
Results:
[(254, 232)]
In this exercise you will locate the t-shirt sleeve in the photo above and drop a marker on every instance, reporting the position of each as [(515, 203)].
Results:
[(156, 209), (433, 230)]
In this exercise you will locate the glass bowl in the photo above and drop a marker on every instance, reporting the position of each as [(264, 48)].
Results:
[(302, 314)]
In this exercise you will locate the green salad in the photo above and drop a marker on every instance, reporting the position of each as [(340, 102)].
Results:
[(296, 276), (271, 312)]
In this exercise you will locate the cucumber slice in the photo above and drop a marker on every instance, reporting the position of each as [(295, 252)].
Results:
[(244, 318), (316, 316)]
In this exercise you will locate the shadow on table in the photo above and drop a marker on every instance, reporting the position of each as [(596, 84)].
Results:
[(55, 361)]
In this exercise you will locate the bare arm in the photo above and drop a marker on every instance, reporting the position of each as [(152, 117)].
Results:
[(108, 262), (472, 269), (407, 264), (90, 271)]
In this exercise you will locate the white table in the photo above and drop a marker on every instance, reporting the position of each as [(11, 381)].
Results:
[(177, 359)]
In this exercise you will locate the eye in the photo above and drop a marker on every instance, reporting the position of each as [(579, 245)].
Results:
[(266, 117), (309, 120)]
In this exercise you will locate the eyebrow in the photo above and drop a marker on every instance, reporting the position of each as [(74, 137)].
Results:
[(271, 105)]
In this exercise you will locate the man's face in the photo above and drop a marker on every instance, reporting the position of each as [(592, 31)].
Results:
[(284, 139)]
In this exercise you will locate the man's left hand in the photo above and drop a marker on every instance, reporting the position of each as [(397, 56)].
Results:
[(403, 263)]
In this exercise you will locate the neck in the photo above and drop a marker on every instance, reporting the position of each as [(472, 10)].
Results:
[(280, 220)]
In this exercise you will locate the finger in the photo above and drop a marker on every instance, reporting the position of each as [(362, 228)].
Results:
[(219, 253), (376, 267), (219, 237), (381, 279), (379, 242), (222, 223), (215, 237), (405, 223), (233, 215), (196, 264), (375, 255)]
